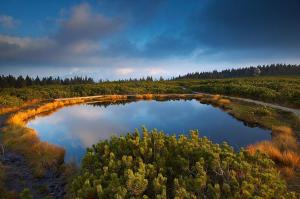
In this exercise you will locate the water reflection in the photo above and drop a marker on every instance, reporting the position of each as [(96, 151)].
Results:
[(78, 127)]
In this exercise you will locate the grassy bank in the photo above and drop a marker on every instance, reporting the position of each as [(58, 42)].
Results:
[(284, 150), (42, 156), (18, 137)]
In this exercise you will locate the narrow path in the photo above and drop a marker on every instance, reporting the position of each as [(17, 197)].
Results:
[(293, 110)]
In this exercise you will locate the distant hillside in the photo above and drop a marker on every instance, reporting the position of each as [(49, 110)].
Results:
[(264, 70)]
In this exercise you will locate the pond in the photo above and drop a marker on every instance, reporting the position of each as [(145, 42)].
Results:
[(80, 126)]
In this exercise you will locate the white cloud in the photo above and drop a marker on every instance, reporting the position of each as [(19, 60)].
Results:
[(156, 71), (8, 21), (124, 71)]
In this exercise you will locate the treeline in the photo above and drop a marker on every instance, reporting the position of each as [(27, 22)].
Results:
[(264, 70), (261, 70), (20, 82)]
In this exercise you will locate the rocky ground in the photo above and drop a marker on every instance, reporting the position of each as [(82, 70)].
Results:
[(19, 175)]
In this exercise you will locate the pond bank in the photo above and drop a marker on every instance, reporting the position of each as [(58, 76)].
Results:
[(18, 137)]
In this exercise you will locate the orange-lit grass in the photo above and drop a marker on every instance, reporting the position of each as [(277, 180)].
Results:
[(282, 149), (143, 96), (223, 102), (40, 155), (291, 159), (215, 97), (268, 148), (22, 116), (9, 109), (282, 130)]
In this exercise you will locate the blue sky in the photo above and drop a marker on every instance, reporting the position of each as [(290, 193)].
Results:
[(119, 39)]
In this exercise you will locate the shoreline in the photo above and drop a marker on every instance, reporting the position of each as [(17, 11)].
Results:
[(17, 121)]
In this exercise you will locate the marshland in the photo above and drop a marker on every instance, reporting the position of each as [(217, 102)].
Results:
[(138, 99)]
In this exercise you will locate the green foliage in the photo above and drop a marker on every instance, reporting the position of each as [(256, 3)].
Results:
[(281, 90), (159, 166), (25, 194)]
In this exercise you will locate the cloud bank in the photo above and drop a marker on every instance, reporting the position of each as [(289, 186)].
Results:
[(138, 37)]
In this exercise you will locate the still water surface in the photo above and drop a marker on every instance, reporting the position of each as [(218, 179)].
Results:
[(80, 126)]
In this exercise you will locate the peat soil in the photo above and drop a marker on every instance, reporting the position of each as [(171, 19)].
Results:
[(19, 175)]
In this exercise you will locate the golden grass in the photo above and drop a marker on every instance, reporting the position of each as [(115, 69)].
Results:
[(215, 97), (282, 149), (291, 159), (9, 109), (282, 130), (223, 102), (22, 116), (268, 148), (284, 142), (40, 155)]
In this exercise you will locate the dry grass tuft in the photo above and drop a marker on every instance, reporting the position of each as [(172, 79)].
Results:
[(282, 130), (215, 97), (223, 102), (291, 159), (283, 149), (287, 172), (148, 96), (268, 148), (40, 155)]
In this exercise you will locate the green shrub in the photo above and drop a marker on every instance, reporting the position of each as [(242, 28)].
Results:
[(156, 165)]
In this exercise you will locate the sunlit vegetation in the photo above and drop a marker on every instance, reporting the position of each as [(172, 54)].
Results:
[(156, 165), (283, 149), (40, 155)]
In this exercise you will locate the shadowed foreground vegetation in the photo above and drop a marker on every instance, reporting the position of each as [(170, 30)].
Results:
[(156, 165)]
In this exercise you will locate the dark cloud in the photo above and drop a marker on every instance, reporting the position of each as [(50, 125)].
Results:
[(83, 25), (133, 11), (162, 46), (117, 33), (247, 24)]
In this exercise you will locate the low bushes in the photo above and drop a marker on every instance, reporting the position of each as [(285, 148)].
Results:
[(161, 166)]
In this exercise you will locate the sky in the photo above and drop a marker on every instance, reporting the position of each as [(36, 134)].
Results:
[(112, 39)]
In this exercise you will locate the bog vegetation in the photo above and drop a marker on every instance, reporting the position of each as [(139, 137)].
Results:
[(155, 165)]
